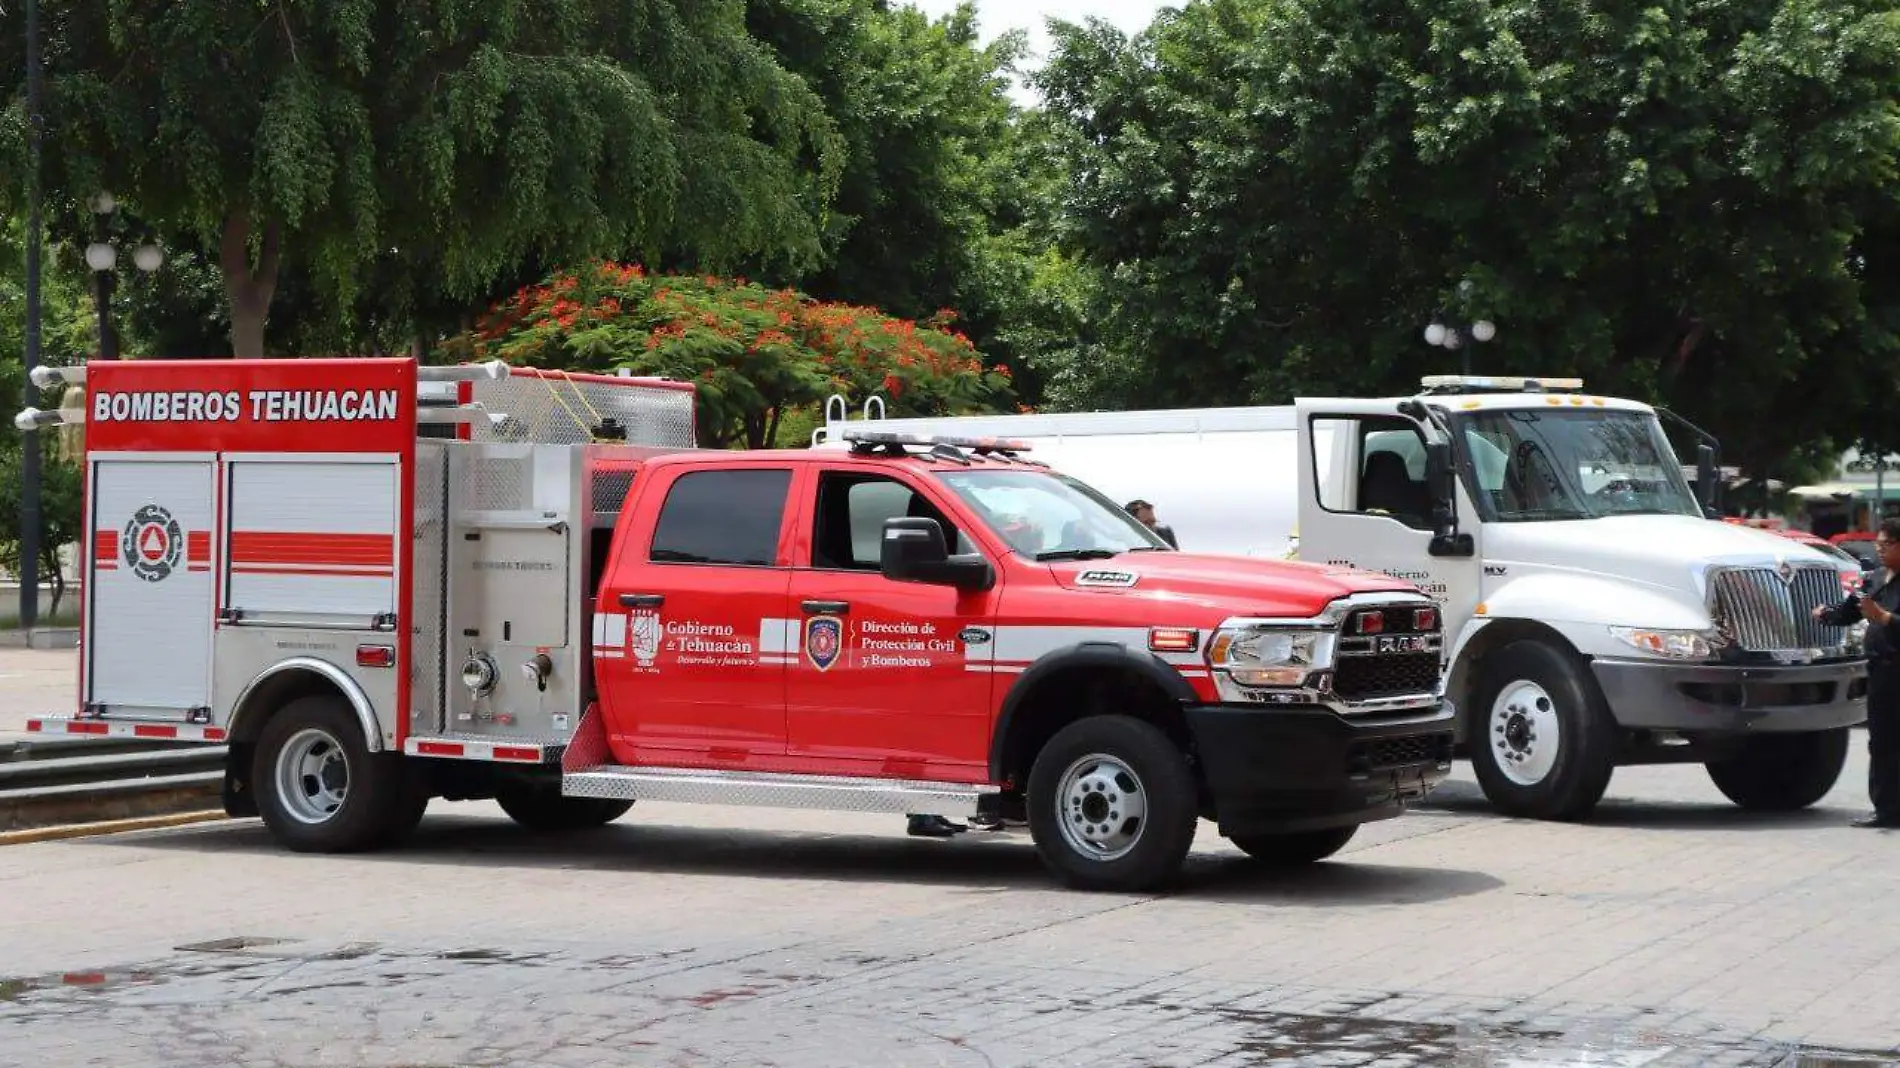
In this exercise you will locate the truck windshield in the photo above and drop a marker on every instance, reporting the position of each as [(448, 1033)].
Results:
[(1046, 516), (1539, 464)]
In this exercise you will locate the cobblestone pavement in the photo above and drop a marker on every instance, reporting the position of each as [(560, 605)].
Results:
[(1672, 930)]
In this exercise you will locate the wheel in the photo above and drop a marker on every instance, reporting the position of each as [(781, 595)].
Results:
[(1782, 772), (1542, 740), (1296, 849), (320, 790), (1112, 805), (541, 808)]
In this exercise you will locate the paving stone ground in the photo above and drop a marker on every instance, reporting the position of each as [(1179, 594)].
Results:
[(1672, 930)]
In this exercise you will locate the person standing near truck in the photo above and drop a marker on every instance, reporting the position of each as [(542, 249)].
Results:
[(1880, 607), (1145, 512)]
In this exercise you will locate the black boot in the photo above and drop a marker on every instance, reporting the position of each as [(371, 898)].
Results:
[(1878, 820), (934, 827)]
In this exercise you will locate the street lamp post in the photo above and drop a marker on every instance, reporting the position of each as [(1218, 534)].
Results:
[(102, 256), (1450, 333), (30, 445)]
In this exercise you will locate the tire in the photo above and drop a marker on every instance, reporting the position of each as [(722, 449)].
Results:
[(1097, 767), (540, 808), (1297, 849), (320, 790), (1542, 739), (1782, 772)]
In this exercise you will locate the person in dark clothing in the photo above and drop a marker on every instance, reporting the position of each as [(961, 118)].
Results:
[(1145, 513), (1880, 607)]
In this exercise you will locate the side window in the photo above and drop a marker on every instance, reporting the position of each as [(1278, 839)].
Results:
[(1384, 461), (722, 517), (849, 530)]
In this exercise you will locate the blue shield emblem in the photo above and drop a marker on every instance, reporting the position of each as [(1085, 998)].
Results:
[(824, 640)]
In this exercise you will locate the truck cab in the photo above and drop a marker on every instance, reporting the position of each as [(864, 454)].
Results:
[(943, 626), (1597, 616)]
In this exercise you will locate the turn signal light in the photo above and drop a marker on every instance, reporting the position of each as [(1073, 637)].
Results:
[(1425, 619), (1173, 640), (376, 656), (1371, 623)]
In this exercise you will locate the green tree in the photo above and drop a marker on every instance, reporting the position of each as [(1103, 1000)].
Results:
[(430, 146), (1672, 198), (932, 187), (754, 355)]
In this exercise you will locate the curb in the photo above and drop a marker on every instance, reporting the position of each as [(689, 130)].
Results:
[(88, 830)]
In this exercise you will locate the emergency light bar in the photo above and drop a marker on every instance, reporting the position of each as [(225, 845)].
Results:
[(1497, 384), (892, 437)]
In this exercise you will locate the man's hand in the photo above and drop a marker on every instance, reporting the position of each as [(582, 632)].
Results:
[(1873, 613), (1819, 611)]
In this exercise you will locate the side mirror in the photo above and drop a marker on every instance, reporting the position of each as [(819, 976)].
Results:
[(913, 550), (1708, 481), (1442, 483)]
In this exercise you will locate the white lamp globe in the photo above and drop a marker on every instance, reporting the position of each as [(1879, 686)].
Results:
[(1484, 330), (101, 256), (1435, 334), (148, 257), (104, 203)]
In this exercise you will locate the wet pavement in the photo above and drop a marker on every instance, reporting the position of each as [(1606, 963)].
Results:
[(256, 1000)]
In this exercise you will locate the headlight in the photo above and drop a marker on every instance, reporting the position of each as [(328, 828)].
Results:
[(1673, 644), (1269, 657)]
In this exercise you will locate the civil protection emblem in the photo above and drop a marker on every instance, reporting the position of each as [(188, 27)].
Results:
[(152, 543), (824, 639)]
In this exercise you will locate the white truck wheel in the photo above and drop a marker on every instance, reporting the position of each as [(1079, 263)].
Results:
[(1542, 740)]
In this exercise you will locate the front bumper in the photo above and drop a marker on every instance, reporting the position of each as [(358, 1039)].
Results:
[(1729, 698), (1281, 769)]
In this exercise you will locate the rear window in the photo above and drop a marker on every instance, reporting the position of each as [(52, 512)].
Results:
[(722, 517)]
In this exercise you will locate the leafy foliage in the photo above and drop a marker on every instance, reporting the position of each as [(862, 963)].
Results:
[(440, 143), (754, 354), (1677, 200)]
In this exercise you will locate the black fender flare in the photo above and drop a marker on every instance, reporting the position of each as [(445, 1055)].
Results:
[(1081, 655)]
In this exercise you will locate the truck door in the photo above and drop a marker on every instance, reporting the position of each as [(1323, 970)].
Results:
[(1365, 502), (697, 673), (879, 684), (149, 592)]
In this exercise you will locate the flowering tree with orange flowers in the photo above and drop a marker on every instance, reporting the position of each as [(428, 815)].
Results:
[(754, 354)]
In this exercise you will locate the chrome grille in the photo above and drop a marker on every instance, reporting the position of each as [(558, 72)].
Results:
[(1399, 658), (1763, 613)]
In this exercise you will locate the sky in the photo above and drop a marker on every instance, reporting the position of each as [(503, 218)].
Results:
[(999, 16)]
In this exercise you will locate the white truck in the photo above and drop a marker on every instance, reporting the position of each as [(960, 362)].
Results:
[(1595, 616)]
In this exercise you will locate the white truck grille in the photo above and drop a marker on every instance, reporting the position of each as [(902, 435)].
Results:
[(1762, 612)]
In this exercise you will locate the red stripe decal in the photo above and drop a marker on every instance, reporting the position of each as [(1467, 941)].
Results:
[(35, 726), (437, 749), (105, 545), (214, 734), (87, 728), (511, 752), (144, 731), (326, 571), (198, 547), (275, 547)]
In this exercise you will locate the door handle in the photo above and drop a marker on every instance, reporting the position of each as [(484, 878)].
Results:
[(825, 608), (642, 600)]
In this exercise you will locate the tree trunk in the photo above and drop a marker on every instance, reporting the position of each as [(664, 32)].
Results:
[(248, 287)]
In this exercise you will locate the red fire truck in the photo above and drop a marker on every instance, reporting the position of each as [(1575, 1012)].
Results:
[(379, 583)]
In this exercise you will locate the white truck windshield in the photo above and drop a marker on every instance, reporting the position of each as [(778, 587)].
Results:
[(1047, 516), (1564, 464)]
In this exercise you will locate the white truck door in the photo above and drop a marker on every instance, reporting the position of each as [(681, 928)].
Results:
[(149, 593), (1365, 501)]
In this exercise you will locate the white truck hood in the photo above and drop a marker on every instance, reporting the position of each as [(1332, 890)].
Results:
[(1669, 554)]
